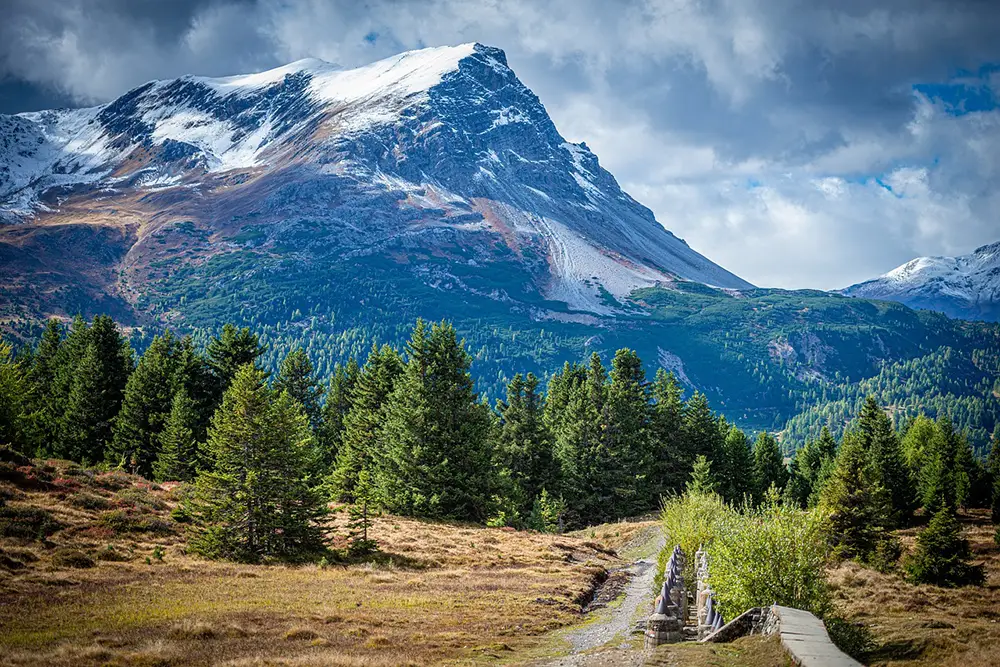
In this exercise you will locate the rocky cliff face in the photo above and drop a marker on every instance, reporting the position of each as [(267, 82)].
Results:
[(964, 287), (402, 158)]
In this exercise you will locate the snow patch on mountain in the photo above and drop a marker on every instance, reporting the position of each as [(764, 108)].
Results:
[(966, 287)]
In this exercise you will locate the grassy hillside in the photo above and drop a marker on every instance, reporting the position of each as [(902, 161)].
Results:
[(94, 571)]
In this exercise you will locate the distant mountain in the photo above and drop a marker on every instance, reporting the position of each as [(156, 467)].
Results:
[(329, 208), (965, 287)]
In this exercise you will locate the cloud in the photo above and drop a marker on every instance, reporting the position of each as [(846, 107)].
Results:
[(799, 144)]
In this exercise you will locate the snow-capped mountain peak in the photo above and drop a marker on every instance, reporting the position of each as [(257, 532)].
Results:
[(444, 137), (966, 287)]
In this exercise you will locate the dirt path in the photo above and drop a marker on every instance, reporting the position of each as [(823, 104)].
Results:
[(607, 638)]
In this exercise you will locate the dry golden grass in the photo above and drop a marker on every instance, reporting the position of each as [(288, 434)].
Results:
[(925, 625), (437, 592), (619, 536)]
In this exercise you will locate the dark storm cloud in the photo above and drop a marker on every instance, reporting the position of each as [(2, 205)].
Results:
[(763, 132)]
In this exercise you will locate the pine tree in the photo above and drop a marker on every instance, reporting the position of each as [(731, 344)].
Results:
[(701, 430), (739, 465), (178, 458), (547, 513), (363, 423), (942, 555), (768, 466), (256, 503), (194, 374), (938, 483), (436, 458), (46, 412), (671, 459), (702, 481), (296, 377), (339, 397), (524, 443), (628, 435), (13, 404), (856, 506), (149, 395), (96, 392), (231, 350), (883, 447)]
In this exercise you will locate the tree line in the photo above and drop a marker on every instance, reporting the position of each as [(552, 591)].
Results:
[(406, 432)]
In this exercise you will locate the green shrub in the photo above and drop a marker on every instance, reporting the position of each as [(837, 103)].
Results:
[(140, 499), (66, 557), (854, 639), (30, 523), (773, 554), (692, 521), (112, 555), (942, 555), (887, 553), (113, 481), (123, 521)]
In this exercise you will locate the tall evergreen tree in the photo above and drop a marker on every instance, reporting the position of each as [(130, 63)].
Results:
[(525, 444), (857, 507), (739, 482), (96, 392), (702, 481), (938, 481), (179, 456), (255, 503), (194, 374), (436, 458), (360, 443), (879, 440), (13, 404), (993, 467), (701, 430), (768, 466), (297, 378), (42, 400), (231, 350), (149, 395), (628, 435), (671, 458), (942, 555), (339, 397)]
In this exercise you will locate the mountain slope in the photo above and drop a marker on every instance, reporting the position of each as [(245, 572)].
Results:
[(965, 287), (437, 142)]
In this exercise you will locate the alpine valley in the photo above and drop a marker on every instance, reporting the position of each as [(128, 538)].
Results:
[(331, 208)]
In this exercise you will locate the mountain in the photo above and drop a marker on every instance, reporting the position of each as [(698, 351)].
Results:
[(965, 287), (442, 144), (329, 208)]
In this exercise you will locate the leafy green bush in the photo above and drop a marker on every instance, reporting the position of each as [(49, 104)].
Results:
[(692, 521), (123, 521), (773, 554), (30, 523)]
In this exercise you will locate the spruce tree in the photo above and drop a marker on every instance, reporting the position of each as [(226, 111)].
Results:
[(993, 467), (524, 443), (179, 456), (194, 374), (671, 458), (702, 481), (96, 393), (149, 395), (296, 377), (856, 506), (942, 555), (938, 481), (701, 430), (557, 397), (768, 466), (360, 442), (628, 435), (739, 464), (885, 453), (436, 457), (231, 350), (13, 404), (41, 398), (255, 503), (339, 397)]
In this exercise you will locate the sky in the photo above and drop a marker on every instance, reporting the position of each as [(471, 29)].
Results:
[(798, 144)]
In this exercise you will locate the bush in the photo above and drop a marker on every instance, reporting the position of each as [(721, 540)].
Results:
[(942, 555), (112, 555), (89, 501), (774, 554), (887, 553), (113, 481), (72, 558), (30, 523), (692, 521), (854, 639), (140, 499)]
